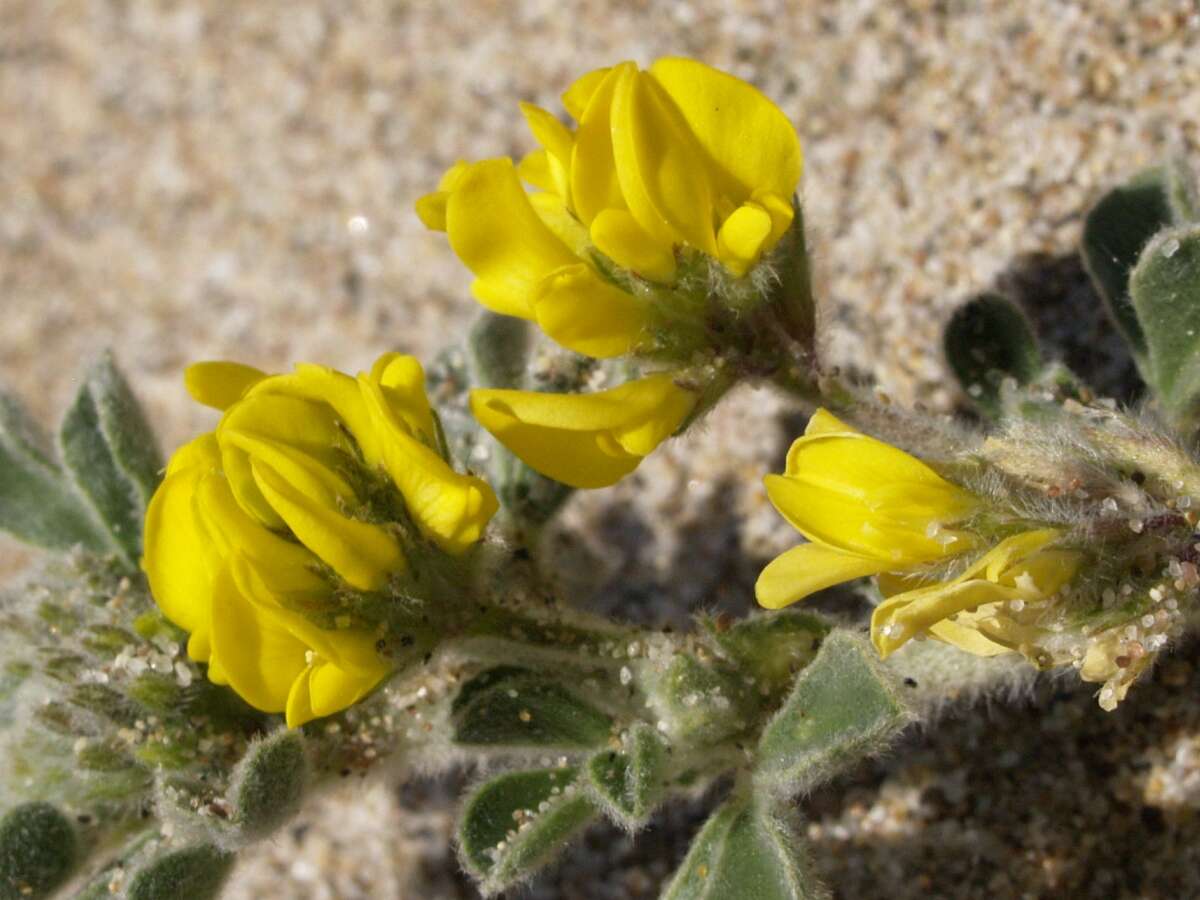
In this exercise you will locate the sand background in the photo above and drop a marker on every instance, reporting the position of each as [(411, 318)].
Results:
[(186, 180)]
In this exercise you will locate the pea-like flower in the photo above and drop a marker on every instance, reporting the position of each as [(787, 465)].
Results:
[(295, 494), (585, 440), (865, 507), (678, 158), (868, 508)]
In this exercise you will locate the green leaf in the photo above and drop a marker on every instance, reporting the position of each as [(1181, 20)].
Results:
[(268, 782), (746, 850), (987, 340), (38, 850), (109, 452), (793, 292), (37, 504), (196, 872), (1166, 294), (702, 703), (498, 352), (842, 707), (630, 782), (771, 646), (1120, 226), (527, 710), (498, 348), (514, 824), (130, 439)]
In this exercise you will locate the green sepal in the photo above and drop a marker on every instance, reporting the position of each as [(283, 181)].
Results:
[(987, 340), (524, 709), (746, 849), (630, 782), (842, 707), (38, 850), (515, 823), (37, 503), (197, 873), (1166, 294), (1120, 226), (110, 453), (268, 783)]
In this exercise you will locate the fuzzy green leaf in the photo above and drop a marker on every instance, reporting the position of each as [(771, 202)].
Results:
[(630, 781), (109, 452), (37, 504), (498, 348), (527, 710), (196, 872), (123, 423), (702, 704), (268, 782), (1166, 294), (842, 707), (771, 646), (1119, 227), (38, 850), (793, 293), (745, 850), (987, 340), (515, 823)]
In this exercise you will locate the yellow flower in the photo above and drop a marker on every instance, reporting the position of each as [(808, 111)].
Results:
[(980, 611), (677, 156), (239, 534), (865, 508), (585, 440), (870, 509)]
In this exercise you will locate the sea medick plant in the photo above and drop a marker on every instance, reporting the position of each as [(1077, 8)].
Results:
[(346, 575)]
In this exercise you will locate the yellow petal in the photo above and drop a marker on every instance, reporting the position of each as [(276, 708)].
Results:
[(742, 238), (585, 440), (594, 185), (558, 142), (431, 209), (449, 508), (534, 169), (968, 639), (365, 555), (806, 569), (584, 313), (749, 142), (403, 382), (577, 97), (617, 235), (898, 619), (178, 560), (260, 659), (497, 234), (332, 689), (267, 422), (555, 215), (220, 384), (824, 422), (339, 392), (838, 519), (661, 169)]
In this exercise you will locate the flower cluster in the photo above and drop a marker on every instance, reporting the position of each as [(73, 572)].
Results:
[(868, 508), (665, 169), (298, 493)]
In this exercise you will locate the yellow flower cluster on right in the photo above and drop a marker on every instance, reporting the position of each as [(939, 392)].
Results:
[(868, 508)]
